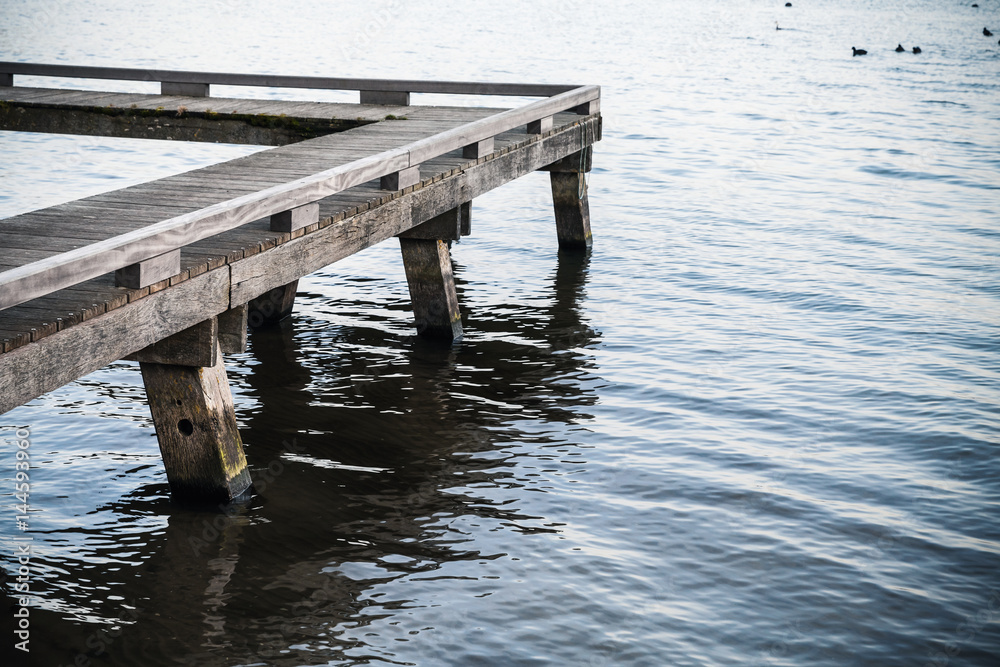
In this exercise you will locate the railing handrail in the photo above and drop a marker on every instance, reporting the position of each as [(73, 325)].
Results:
[(280, 81), (51, 274)]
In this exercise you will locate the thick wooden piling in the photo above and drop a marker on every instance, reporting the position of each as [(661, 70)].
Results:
[(193, 413), (432, 288), (569, 199), (427, 261), (272, 306)]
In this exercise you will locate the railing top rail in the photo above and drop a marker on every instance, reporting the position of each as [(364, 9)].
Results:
[(48, 275), (280, 81)]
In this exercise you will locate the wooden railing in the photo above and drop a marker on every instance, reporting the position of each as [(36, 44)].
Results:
[(198, 82), (147, 255)]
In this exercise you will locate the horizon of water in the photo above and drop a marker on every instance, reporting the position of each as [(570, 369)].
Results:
[(757, 424)]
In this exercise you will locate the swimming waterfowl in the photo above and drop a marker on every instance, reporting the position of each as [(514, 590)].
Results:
[(858, 52), (916, 49), (899, 48), (987, 32)]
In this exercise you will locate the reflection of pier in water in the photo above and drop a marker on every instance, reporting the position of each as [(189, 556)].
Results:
[(361, 480)]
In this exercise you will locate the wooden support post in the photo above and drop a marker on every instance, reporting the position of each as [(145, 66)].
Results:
[(185, 89), (6, 79), (465, 218), (296, 218), (233, 329), (147, 272), (572, 210), (192, 410), (588, 108), (478, 149), (540, 126), (385, 98), (194, 346), (272, 306), (446, 227), (403, 178), (432, 287), (575, 162)]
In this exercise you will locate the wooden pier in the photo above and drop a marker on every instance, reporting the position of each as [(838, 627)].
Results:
[(171, 272)]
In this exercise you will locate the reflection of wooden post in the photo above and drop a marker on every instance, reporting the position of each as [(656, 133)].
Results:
[(192, 410), (272, 306), (428, 271)]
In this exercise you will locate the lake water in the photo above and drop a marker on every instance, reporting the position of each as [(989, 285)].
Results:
[(757, 425)]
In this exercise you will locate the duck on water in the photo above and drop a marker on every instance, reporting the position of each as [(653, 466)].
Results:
[(858, 52)]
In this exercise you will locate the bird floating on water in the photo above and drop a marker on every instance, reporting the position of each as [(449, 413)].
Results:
[(899, 48), (987, 32), (916, 49), (776, 26), (858, 52)]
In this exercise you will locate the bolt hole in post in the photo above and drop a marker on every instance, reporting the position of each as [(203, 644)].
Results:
[(185, 426)]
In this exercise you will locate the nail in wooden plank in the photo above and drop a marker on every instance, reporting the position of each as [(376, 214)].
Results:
[(150, 271)]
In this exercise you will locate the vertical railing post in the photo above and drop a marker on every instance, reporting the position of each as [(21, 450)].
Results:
[(184, 88)]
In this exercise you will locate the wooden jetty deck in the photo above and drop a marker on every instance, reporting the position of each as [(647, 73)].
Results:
[(171, 272)]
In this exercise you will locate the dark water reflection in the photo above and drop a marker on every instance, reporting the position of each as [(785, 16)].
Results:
[(370, 452)]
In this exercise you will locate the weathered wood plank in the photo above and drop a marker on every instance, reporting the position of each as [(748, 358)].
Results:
[(51, 362), (194, 346), (446, 226)]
